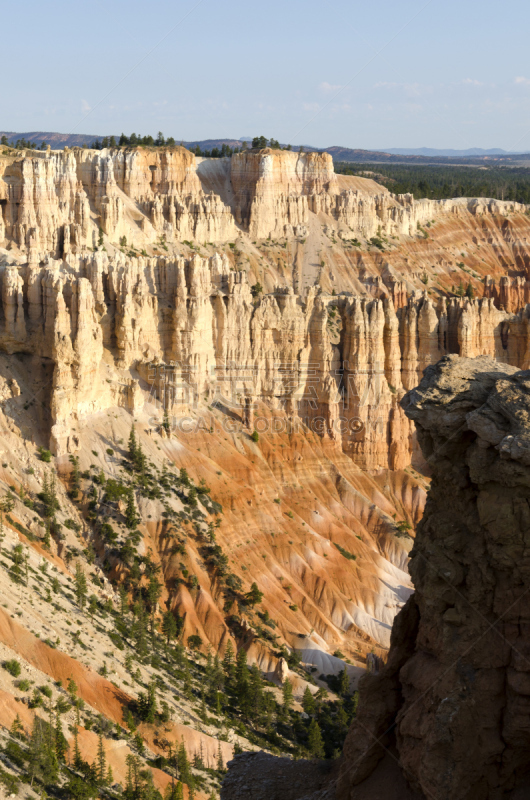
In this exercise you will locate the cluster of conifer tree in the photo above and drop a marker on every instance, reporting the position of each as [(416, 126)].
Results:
[(226, 693), (134, 140), (21, 144), (442, 182)]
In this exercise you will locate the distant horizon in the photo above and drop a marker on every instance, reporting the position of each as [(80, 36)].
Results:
[(405, 150)]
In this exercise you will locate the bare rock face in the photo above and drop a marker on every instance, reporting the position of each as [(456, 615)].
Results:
[(281, 673), (339, 365), (105, 273), (453, 698)]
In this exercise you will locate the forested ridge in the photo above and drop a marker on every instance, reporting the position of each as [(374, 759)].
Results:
[(440, 182)]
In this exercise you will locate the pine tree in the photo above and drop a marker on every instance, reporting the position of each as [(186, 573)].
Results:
[(154, 590), (61, 744), (315, 741), (92, 605), (131, 517), (320, 696), (354, 703), (124, 601), (254, 596), (184, 766), (220, 762), (308, 701), (132, 444), (41, 754), (169, 626), (75, 483), (47, 538), (15, 571), (140, 460), (342, 717), (241, 677), (17, 730), (26, 566), (101, 765), (80, 585), (77, 753), (344, 684), (255, 693), (174, 791), (287, 692), (49, 496), (218, 703), (470, 294), (228, 662)]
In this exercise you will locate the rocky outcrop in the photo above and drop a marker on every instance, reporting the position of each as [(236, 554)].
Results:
[(148, 196), (453, 697), (338, 365), (100, 277)]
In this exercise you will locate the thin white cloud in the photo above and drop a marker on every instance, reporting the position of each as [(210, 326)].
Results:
[(409, 89), (324, 86), (472, 82), (85, 107), (522, 81)]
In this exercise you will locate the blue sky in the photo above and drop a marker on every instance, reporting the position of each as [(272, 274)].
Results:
[(358, 74)]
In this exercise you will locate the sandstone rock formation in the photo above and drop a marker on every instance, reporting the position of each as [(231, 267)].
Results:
[(242, 296), (336, 364), (64, 197), (446, 717), (147, 318), (453, 697), (101, 276)]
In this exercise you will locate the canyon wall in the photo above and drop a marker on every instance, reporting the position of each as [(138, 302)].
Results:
[(98, 277), (190, 329), (454, 694), (64, 198), (278, 313)]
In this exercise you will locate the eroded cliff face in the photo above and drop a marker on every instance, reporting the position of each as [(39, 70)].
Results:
[(65, 197), (188, 329), (315, 336), (453, 698), (241, 297)]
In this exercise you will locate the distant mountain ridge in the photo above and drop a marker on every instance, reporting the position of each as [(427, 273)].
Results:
[(395, 155), (431, 151)]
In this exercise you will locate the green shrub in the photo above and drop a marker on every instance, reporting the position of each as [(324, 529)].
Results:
[(345, 553), (13, 667), (116, 640), (194, 641)]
